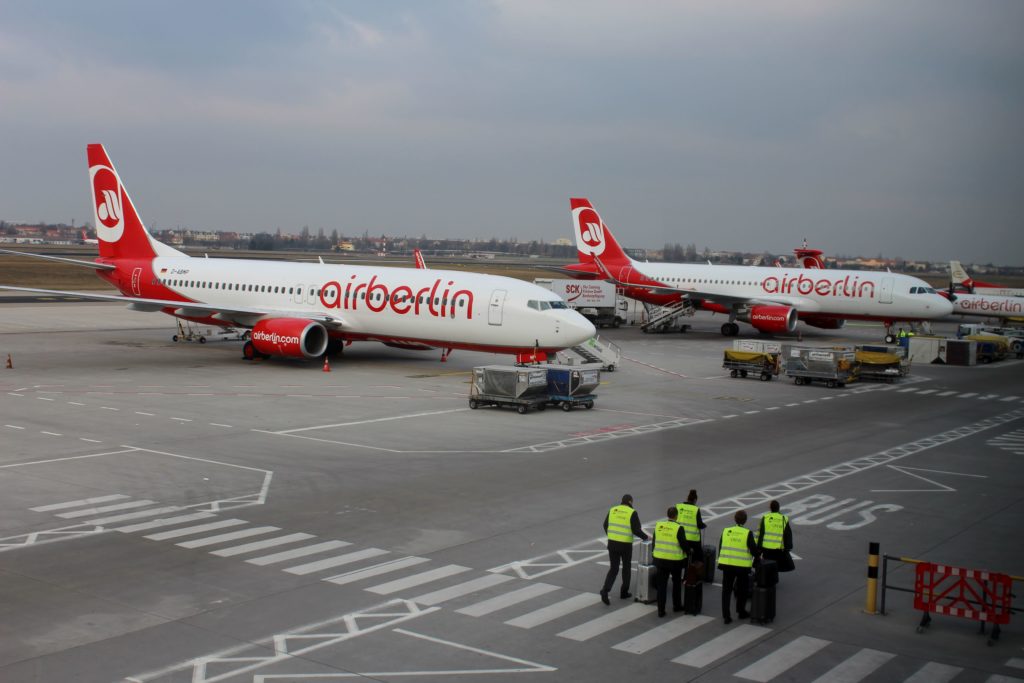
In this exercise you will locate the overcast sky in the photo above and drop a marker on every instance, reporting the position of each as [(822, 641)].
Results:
[(892, 128)]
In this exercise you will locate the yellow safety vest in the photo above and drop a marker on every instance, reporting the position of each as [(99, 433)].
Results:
[(619, 528), (774, 525), (734, 547), (666, 541), (688, 520)]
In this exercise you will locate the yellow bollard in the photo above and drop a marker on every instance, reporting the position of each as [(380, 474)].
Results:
[(872, 595)]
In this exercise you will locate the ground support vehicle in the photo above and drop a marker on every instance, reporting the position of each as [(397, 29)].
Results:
[(517, 387), (881, 366), (834, 367), (569, 387), (991, 347), (742, 363)]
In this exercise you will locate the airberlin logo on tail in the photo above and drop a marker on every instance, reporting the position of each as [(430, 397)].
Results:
[(106, 195), (589, 231), (375, 296)]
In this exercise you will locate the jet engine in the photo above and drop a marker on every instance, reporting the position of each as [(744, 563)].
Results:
[(772, 319), (824, 322), (289, 337)]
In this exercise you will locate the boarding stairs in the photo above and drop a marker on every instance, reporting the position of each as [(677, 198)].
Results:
[(592, 351), (666, 318)]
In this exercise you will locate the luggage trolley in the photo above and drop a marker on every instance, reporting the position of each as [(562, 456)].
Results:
[(521, 388), (740, 363), (569, 386)]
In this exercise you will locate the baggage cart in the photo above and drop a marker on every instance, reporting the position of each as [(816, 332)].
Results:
[(761, 364), (521, 388), (569, 387), (881, 366), (834, 367)]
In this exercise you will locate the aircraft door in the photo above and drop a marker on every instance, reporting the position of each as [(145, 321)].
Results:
[(885, 292), (496, 306)]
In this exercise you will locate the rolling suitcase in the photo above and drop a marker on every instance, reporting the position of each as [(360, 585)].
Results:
[(709, 563), (762, 604), (645, 591), (644, 555), (766, 574), (693, 598)]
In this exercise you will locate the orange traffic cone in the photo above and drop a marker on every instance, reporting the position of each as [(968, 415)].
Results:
[(10, 365), (327, 364)]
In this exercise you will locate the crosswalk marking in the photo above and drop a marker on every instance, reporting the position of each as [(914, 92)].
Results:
[(336, 561), (723, 645), (662, 634), (1015, 663), (998, 678), (417, 579), (988, 397), (782, 659), (947, 393), (500, 602), (1009, 398), (376, 570), (968, 395), (460, 589), (304, 551), (230, 536), (190, 530), (551, 612), (856, 668), (78, 503), (105, 508), (260, 545), (151, 512), (927, 391), (166, 521), (933, 672), (607, 622), (908, 390)]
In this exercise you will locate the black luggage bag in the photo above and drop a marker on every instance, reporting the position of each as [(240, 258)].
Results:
[(693, 598), (766, 573), (709, 563), (762, 605)]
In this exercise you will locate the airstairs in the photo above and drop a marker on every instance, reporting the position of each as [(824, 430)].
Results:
[(592, 351), (667, 318)]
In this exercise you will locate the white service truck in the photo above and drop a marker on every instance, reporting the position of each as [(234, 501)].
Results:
[(596, 300)]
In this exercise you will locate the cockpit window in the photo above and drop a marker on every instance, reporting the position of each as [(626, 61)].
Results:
[(558, 304)]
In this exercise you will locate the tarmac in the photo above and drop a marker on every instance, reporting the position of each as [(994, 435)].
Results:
[(170, 512)]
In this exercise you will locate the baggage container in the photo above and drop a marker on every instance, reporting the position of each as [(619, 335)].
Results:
[(742, 363), (959, 352), (756, 345), (836, 367), (509, 385), (645, 591), (881, 366), (923, 349), (569, 386), (762, 605), (644, 554)]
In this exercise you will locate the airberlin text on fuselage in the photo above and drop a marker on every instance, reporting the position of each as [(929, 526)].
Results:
[(402, 300), (801, 284)]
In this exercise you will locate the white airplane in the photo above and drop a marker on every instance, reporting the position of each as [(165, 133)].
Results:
[(1005, 308), (771, 299), (960, 281), (302, 310)]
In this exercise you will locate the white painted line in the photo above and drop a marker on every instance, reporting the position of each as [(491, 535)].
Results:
[(726, 417), (1009, 398), (376, 570), (500, 602), (217, 424), (75, 403), (773, 408), (458, 590), (230, 536), (109, 408), (363, 422), (722, 646), (260, 545), (11, 393), (933, 672), (417, 579), (752, 412), (999, 678), (51, 433), (181, 419), (967, 395), (106, 508), (78, 503), (908, 390), (167, 521), (856, 668), (607, 622), (782, 659), (44, 398), (188, 531), (336, 561), (662, 634), (82, 438), (947, 393), (139, 412), (286, 555), (554, 611), (988, 397), (1015, 663), (811, 400), (13, 427), (927, 391), (132, 515), (790, 405)]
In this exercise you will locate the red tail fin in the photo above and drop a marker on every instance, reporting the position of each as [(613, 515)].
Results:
[(593, 238), (118, 226)]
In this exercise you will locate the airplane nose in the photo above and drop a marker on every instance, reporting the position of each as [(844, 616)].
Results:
[(578, 329), (944, 306)]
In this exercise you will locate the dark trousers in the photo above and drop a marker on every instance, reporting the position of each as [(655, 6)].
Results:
[(666, 569), (618, 552), (738, 579)]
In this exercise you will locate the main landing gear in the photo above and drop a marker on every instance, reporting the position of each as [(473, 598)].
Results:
[(730, 329)]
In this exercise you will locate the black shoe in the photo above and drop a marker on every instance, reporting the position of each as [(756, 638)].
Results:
[(604, 598), (728, 620), (744, 615), (661, 613), (626, 596)]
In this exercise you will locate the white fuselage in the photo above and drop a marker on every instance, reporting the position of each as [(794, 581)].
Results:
[(435, 307), (988, 306)]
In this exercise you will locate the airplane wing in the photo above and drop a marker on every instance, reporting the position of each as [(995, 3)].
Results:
[(801, 304), (61, 259), (236, 315)]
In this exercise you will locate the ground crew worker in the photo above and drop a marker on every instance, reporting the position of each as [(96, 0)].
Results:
[(736, 553), (690, 520), (775, 537), (621, 524), (669, 557)]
